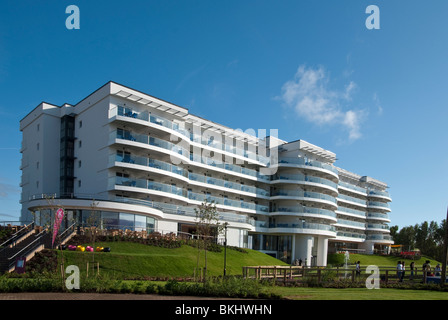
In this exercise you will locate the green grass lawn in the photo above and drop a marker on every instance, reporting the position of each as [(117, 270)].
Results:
[(297, 293), (128, 259)]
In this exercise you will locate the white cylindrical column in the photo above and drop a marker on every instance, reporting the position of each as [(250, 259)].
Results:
[(322, 250), (303, 247)]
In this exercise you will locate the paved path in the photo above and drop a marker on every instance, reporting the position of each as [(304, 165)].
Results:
[(95, 296)]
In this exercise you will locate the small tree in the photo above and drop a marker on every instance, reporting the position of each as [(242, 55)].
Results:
[(93, 222), (207, 226)]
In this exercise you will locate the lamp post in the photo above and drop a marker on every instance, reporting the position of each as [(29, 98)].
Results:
[(225, 248)]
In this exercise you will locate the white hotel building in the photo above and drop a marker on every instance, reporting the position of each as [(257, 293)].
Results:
[(147, 163)]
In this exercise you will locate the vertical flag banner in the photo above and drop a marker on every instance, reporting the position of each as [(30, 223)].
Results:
[(57, 223)]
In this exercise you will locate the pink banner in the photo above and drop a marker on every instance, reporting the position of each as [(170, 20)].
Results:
[(57, 223)]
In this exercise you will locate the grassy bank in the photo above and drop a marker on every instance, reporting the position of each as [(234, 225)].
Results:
[(134, 260)]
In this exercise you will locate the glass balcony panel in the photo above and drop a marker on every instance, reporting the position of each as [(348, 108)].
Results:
[(312, 163)]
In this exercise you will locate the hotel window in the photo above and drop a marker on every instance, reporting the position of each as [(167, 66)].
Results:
[(79, 164), (80, 124), (80, 143), (79, 183), (37, 146)]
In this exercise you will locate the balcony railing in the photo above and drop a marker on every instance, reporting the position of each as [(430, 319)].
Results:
[(144, 161), (378, 215), (147, 162), (304, 225), (352, 187), (229, 167), (373, 192), (152, 141), (379, 237), (350, 235), (127, 135), (377, 226), (303, 209), (352, 199), (378, 204), (352, 211), (351, 223), (145, 116), (178, 191), (303, 194), (227, 184), (306, 178), (311, 163)]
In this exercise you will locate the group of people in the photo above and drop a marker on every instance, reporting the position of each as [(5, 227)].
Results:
[(401, 269)]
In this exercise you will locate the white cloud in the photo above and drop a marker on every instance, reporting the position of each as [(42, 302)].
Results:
[(308, 93), (378, 104), (7, 189)]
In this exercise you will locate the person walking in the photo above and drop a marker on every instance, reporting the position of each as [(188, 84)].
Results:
[(399, 270), (358, 269), (412, 271)]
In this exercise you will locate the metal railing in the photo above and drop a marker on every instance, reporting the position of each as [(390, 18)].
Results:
[(16, 237)]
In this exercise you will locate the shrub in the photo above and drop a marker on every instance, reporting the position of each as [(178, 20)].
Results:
[(337, 259), (228, 287)]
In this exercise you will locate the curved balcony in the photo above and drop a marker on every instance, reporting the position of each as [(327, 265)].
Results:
[(352, 200), (352, 188), (299, 228), (210, 181), (230, 168), (187, 157), (148, 141), (378, 227), (378, 205), (308, 164), (229, 150), (351, 224), (303, 211), (379, 194), (179, 193), (350, 212), (146, 119), (151, 164), (143, 117), (283, 194), (305, 180), (350, 236), (380, 216), (379, 238), (84, 202)]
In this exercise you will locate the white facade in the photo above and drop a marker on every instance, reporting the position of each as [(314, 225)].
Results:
[(147, 163)]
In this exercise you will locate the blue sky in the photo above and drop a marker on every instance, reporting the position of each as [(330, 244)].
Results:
[(311, 69)]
